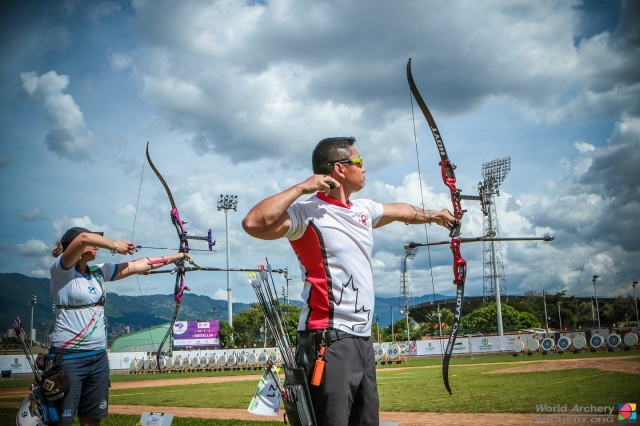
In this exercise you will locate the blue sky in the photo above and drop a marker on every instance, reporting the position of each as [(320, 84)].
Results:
[(233, 97)]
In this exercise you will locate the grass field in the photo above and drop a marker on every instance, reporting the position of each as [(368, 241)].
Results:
[(418, 388)]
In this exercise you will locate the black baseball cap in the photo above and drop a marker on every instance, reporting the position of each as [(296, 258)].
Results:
[(71, 235)]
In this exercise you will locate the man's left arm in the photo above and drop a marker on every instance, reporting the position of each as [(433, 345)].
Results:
[(412, 215)]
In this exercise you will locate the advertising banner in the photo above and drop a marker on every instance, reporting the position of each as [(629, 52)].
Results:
[(196, 334)]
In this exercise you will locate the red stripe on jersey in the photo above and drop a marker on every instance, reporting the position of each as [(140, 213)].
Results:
[(310, 251), (324, 197)]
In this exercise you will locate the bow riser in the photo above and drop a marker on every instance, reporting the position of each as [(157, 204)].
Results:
[(449, 180), (182, 233), (179, 290), (459, 264), (179, 224)]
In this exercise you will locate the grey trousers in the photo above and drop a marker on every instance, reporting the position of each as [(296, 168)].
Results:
[(348, 393)]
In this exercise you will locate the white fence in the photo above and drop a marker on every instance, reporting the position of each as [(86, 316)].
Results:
[(18, 364), (465, 345)]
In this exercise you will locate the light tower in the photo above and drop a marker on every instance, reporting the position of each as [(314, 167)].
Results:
[(494, 173), (32, 303), (226, 203)]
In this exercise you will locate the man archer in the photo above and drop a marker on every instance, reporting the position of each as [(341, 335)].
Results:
[(332, 236)]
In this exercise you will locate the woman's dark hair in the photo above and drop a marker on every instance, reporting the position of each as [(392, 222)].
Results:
[(328, 151)]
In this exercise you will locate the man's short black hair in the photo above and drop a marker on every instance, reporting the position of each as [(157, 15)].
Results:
[(330, 150)]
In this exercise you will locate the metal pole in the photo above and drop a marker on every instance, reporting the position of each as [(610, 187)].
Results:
[(595, 277), (546, 317), (408, 337), (635, 283), (496, 284), (393, 338), (287, 279), (229, 303), (559, 316), (593, 314), (378, 323)]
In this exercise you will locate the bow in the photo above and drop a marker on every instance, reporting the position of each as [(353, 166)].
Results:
[(180, 269), (447, 170), (459, 264)]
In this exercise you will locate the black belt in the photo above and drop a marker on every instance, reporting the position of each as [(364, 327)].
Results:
[(330, 335)]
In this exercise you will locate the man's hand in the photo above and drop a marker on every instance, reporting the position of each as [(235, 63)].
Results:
[(318, 183), (268, 220), (444, 218)]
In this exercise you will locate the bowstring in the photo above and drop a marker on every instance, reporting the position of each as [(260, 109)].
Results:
[(135, 218), (426, 228)]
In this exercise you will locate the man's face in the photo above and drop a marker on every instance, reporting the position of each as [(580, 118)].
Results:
[(354, 171)]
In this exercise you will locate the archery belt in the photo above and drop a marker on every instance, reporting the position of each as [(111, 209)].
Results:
[(55, 383)]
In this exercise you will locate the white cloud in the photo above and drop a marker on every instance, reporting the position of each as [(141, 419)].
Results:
[(233, 97), (68, 136), (32, 214), (31, 248)]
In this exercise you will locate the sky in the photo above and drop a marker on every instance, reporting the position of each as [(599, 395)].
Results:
[(233, 96)]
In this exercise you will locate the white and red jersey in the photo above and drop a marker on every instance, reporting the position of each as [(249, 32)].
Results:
[(334, 242)]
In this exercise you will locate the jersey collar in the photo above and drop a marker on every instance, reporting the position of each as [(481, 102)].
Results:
[(327, 199)]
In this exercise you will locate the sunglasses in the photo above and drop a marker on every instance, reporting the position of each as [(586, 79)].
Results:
[(357, 161)]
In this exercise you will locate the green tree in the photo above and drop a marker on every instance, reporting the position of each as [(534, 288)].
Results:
[(527, 320), (225, 335), (528, 304), (560, 308), (484, 318), (291, 318), (400, 330), (385, 333), (620, 311), (432, 324), (534, 303), (585, 315), (374, 332), (247, 326)]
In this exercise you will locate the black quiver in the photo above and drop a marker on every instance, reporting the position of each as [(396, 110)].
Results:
[(297, 398)]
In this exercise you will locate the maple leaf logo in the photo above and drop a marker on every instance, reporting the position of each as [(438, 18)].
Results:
[(363, 219), (348, 286)]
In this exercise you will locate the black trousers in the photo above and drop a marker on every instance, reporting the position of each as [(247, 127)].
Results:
[(348, 393)]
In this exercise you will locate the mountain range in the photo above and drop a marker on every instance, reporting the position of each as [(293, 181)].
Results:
[(134, 311)]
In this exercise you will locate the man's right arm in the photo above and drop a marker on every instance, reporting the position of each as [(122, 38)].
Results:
[(269, 220)]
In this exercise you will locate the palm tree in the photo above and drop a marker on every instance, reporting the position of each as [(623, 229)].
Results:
[(431, 325)]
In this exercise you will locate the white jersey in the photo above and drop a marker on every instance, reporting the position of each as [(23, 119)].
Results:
[(334, 243), (83, 327)]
